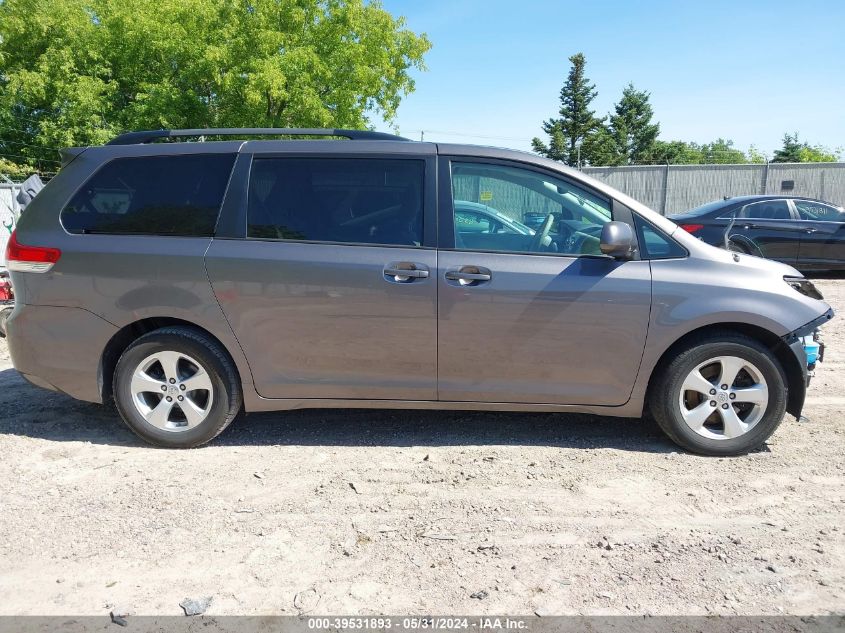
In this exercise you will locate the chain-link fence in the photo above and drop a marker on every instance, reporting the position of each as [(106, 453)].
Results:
[(676, 188)]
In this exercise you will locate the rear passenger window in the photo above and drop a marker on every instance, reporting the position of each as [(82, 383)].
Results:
[(810, 210), (361, 200), (152, 195), (768, 210)]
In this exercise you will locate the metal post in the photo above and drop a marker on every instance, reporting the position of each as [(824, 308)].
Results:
[(422, 135), (665, 193), (765, 182), (16, 207)]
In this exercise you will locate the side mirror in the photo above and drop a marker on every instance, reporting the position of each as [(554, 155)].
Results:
[(617, 240)]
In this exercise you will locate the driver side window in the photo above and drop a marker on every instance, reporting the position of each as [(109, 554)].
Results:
[(515, 210)]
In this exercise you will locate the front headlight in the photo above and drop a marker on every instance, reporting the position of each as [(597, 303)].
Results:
[(804, 286)]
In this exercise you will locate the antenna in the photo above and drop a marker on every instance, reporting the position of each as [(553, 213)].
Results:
[(728, 231)]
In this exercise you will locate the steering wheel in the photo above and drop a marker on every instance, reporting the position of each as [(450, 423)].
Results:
[(541, 234)]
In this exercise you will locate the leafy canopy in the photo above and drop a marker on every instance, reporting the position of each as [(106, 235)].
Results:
[(76, 72)]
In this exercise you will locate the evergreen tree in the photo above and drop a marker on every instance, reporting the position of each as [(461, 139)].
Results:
[(572, 134), (631, 127), (791, 150), (794, 151)]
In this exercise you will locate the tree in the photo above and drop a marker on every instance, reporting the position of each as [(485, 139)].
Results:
[(600, 148), (791, 150), (76, 72), (721, 152), (754, 155), (819, 154), (631, 127), (15, 171), (717, 152), (794, 151), (572, 134), (675, 153)]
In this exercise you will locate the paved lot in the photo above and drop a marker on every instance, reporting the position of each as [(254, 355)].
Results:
[(416, 512)]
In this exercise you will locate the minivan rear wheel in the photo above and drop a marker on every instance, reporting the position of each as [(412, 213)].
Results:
[(176, 387), (724, 394)]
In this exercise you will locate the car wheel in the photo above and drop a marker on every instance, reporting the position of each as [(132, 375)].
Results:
[(736, 247), (720, 395), (176, 387)]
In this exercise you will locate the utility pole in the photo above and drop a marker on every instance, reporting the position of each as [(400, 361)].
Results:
[(422, 135)]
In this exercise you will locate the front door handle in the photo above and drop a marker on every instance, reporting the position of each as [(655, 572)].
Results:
[(469, 275), (404, 272)]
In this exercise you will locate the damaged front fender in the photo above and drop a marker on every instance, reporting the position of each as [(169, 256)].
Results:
[(797, 373)]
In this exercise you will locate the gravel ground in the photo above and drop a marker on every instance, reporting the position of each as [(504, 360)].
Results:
[(359, 512)]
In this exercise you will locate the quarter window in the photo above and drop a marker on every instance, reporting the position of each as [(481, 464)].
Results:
[(361, 200), (152, 195), (517, 210), (654, 244)]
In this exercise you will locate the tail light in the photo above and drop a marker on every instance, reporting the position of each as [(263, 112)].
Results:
[(29, 259), (691, 228)]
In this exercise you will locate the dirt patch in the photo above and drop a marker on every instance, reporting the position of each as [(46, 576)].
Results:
[(354, 512)]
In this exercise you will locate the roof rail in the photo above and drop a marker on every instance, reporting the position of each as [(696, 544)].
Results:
[(135, 138)]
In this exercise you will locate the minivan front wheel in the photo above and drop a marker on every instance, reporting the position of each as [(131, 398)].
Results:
[(721, 395), (175, 387)]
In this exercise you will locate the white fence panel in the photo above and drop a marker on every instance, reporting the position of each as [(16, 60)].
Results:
[(677, 188)]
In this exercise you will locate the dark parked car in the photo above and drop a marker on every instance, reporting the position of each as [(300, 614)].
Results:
[(189, 281), (802, 232)]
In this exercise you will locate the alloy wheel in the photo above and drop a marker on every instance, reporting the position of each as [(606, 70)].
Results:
[(724, 397), (172, 391)]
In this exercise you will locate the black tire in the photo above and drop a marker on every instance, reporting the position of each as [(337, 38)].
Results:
[(227, 396), (736, 247), (665, 393)]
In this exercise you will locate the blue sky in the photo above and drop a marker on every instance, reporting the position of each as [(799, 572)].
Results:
[(742, 70)]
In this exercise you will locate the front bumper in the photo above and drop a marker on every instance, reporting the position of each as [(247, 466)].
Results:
[(796, 342)]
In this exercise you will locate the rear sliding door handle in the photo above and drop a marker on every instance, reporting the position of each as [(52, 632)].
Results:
[(469, 275), (404, 272)]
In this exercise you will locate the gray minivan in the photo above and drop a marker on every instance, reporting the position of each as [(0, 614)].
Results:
[(191, 281)]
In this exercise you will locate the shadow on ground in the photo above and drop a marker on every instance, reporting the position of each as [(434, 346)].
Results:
[(32, 412)]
